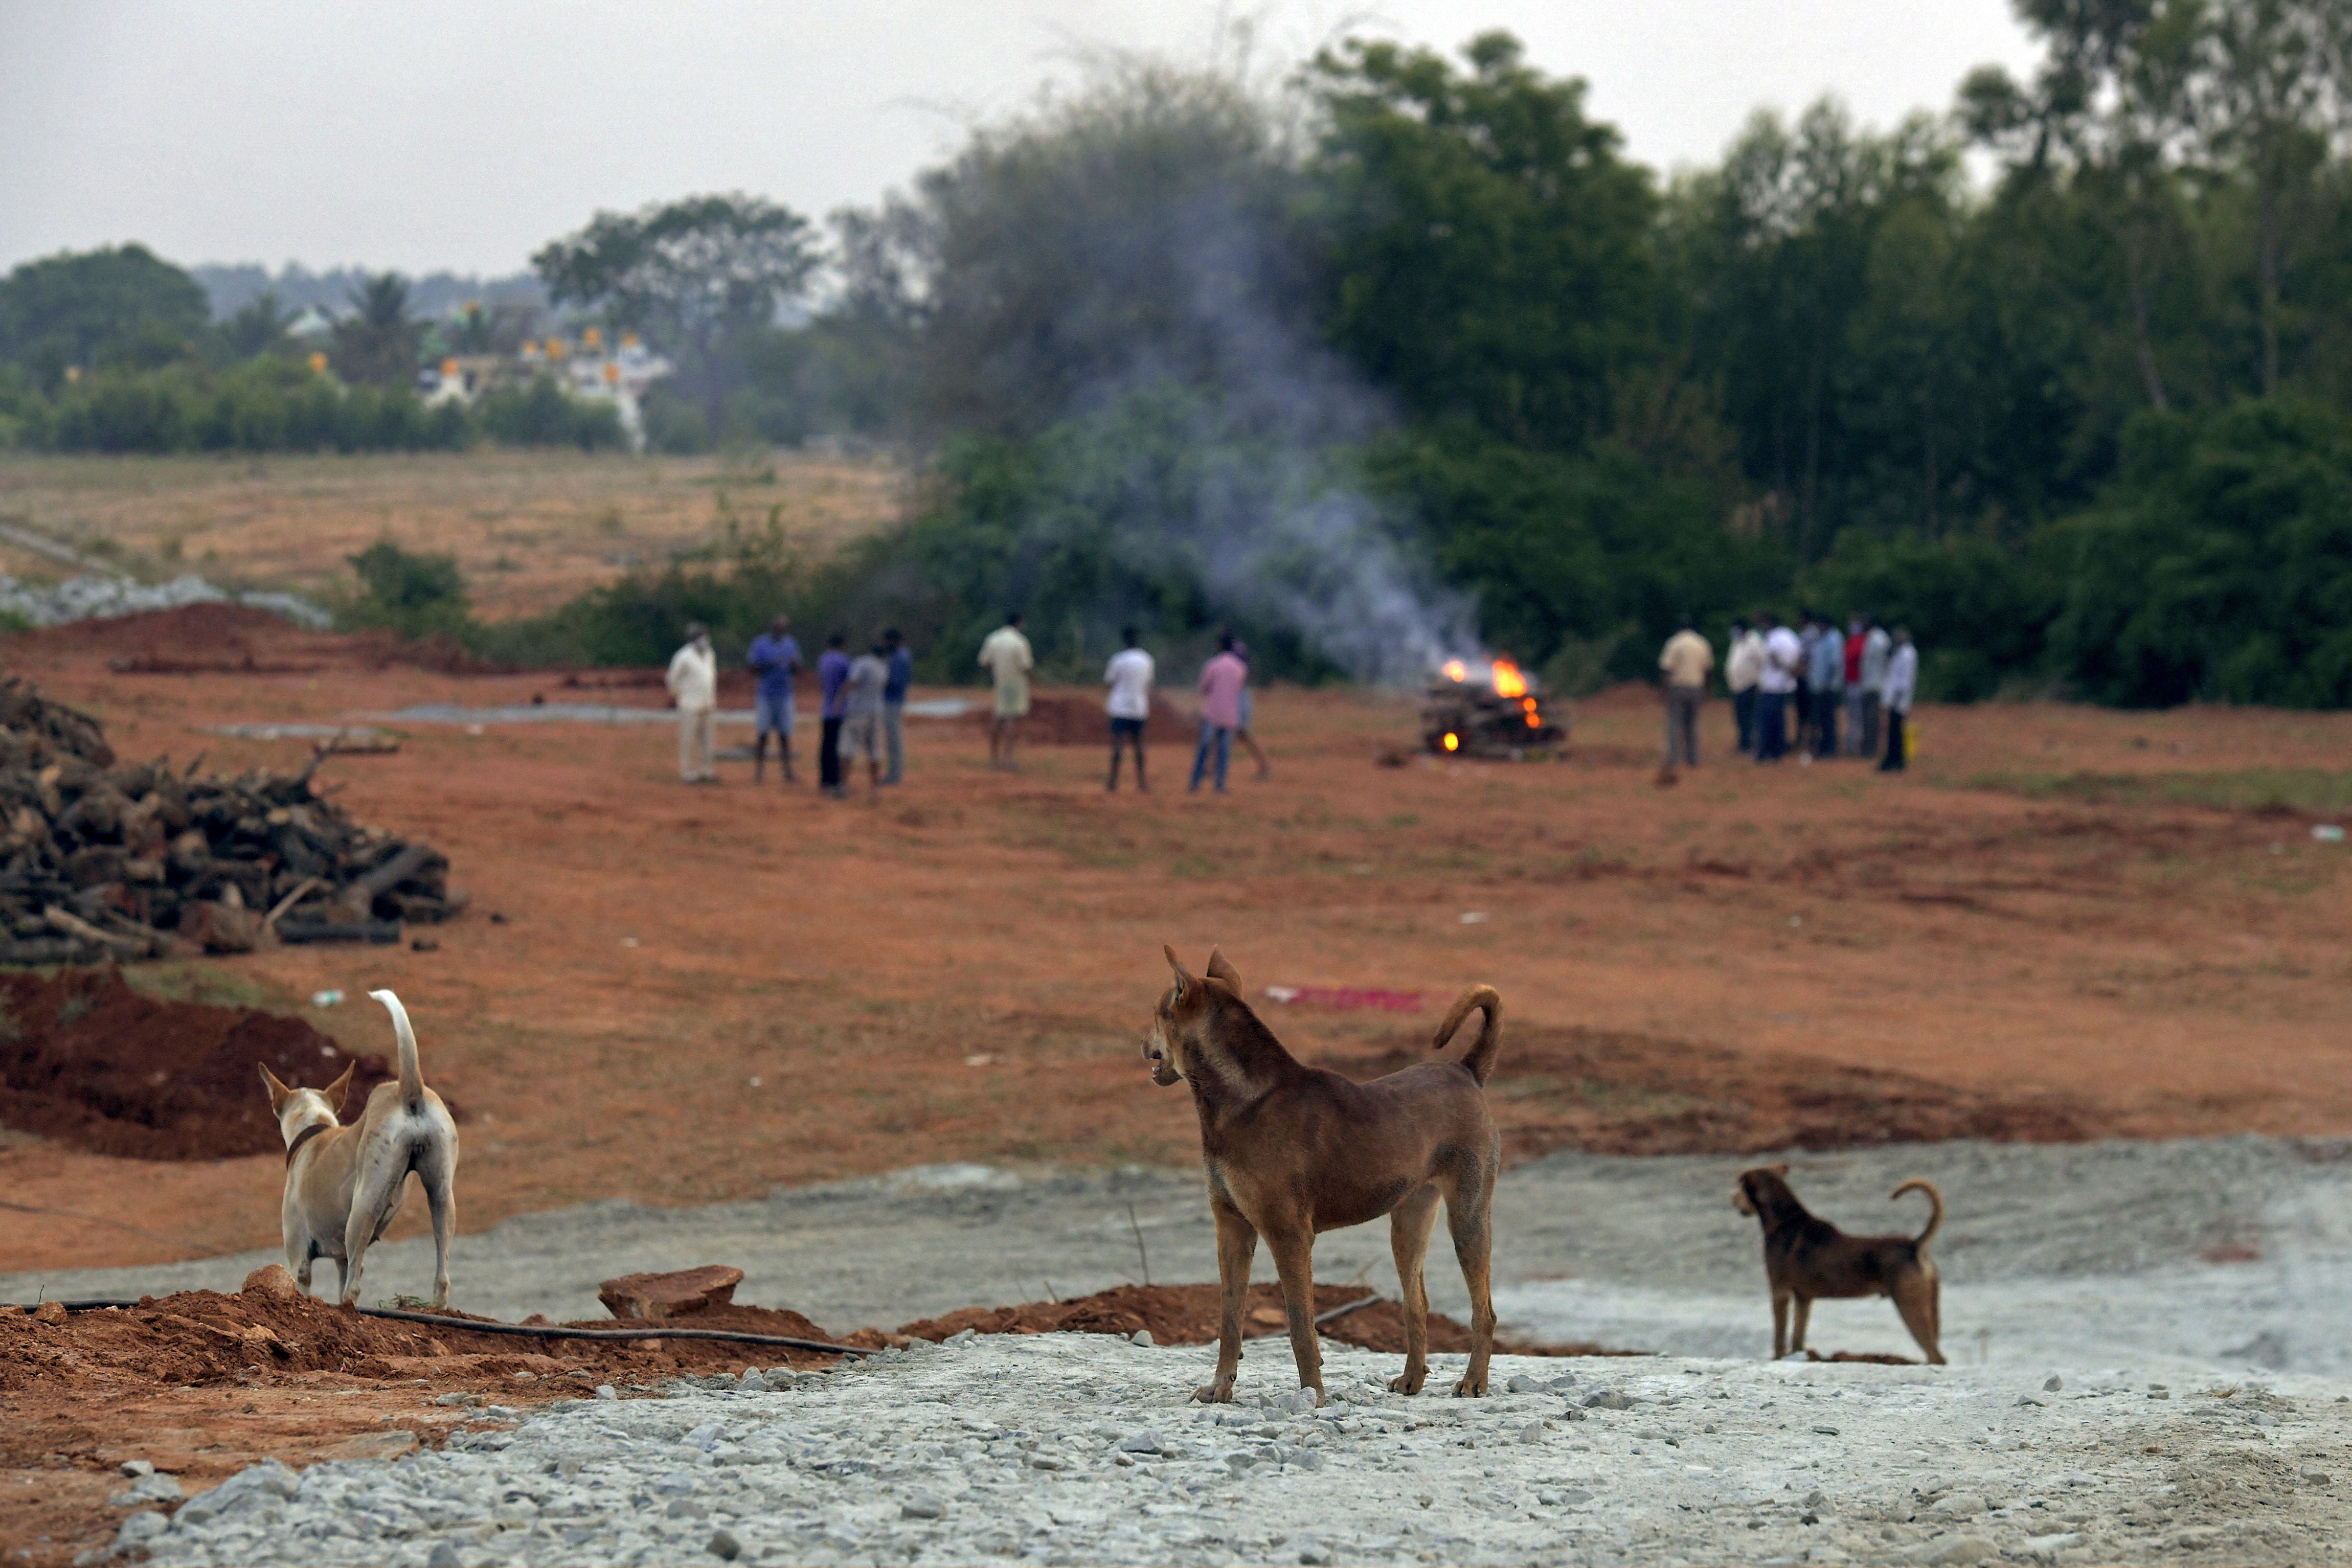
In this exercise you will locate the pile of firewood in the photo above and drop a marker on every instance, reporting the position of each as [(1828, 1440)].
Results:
[(105, 860)]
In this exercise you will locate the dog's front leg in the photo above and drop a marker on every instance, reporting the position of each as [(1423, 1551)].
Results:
[(1236, 1247), (1779, 1324), (1294, 1264)]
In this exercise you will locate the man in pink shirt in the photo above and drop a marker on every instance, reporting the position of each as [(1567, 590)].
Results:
[(1222, 680)]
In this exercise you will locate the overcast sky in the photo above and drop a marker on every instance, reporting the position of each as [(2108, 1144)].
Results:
[(424, 135)]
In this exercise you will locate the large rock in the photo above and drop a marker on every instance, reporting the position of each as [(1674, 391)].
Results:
[(677, 1295), (271, 1280)]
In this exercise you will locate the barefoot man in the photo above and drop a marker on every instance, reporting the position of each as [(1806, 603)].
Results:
[(1006, 657), (1129, 675)]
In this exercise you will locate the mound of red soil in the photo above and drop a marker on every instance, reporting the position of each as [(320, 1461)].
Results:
[(89, 1061), (747, 1320), (202, 1336), (1187, 1314), (195, 639)]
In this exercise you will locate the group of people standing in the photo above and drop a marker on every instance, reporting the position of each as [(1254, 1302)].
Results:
[(1866, 676), (862, 707)]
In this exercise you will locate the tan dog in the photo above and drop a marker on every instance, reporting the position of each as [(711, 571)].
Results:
[(344, 1185), (1293, 1151), (1807, 1259)]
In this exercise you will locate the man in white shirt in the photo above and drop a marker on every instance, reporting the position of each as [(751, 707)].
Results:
[(1129, 675), (1784, 656), (1877, 648), (1902, 682), (1005, 656), (693, 682), (1741, 666)]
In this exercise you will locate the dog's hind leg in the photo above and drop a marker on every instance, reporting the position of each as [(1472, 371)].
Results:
[(1916, 1298), (1236, 1246), (1409, 1225), (1294, 1264), (1469, 1215), (434, 1170), (375, 1198)]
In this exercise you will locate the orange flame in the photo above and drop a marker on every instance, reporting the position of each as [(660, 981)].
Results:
[(1456, 670), (1453, 741), (1509, 682)]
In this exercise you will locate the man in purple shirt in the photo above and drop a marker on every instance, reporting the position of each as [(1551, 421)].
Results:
[(1222, 681), (832, 676)]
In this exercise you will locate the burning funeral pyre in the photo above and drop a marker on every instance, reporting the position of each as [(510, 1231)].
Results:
[(1492, 713)]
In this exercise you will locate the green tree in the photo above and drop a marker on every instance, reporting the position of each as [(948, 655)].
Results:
[(1491, 249), (119, 305), (696, 277), (378, 344)]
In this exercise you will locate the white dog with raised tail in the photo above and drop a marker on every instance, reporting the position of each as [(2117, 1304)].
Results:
[(344, 1185)]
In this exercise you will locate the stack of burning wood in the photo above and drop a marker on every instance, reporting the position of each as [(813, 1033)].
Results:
[(104, 859), (1494, 713)]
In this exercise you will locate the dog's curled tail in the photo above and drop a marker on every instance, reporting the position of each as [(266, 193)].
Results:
[(1934, 1218), (1480, 1058), (412, 1077)]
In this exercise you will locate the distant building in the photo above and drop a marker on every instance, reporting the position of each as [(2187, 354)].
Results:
[(589, 368)]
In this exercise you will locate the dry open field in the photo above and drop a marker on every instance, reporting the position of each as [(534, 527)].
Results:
[(529, 528)]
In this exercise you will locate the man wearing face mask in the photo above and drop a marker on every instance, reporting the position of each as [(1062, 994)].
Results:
[(693, 683)]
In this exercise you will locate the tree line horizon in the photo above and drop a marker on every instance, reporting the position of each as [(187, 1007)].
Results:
[(2083, 426)]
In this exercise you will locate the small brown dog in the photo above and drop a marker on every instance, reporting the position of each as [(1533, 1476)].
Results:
[(344, 1185), (1807, 1259), (1293, 1151)]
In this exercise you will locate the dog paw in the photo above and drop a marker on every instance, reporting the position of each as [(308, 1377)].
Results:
[(1469, 1389), (1218, 1393), (1410, 1383)]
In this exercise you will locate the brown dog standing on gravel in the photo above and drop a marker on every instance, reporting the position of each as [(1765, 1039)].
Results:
[(344, 1185), (1292, 1151), (1807, 1259)]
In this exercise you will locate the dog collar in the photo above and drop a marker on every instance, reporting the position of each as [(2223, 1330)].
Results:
[(302, 1138)]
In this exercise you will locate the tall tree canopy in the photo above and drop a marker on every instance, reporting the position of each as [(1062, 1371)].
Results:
[(694, 277)]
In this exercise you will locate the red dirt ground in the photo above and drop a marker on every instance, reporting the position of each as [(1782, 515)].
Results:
[(693, 995)]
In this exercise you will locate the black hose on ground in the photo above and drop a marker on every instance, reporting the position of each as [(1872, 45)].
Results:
[(470, 1325), (732, 1336)]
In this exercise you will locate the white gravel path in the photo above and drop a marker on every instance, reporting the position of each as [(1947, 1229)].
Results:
[(1079, 1448)]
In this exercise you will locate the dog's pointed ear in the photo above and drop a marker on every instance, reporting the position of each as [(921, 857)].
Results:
[(340, 1088), (1780, 1170), (277, 1091), (1219, 970), (1185, 980)]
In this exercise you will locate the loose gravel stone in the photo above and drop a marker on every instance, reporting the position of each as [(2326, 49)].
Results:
[(1037, 1449)]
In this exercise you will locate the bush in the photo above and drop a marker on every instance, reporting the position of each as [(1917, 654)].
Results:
[(543, 415), (417, 595), (1976, 609), (2219, 565)]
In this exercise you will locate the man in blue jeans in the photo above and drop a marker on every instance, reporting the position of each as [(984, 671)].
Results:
[(775, 657), (1780, 677), (894, 705)]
